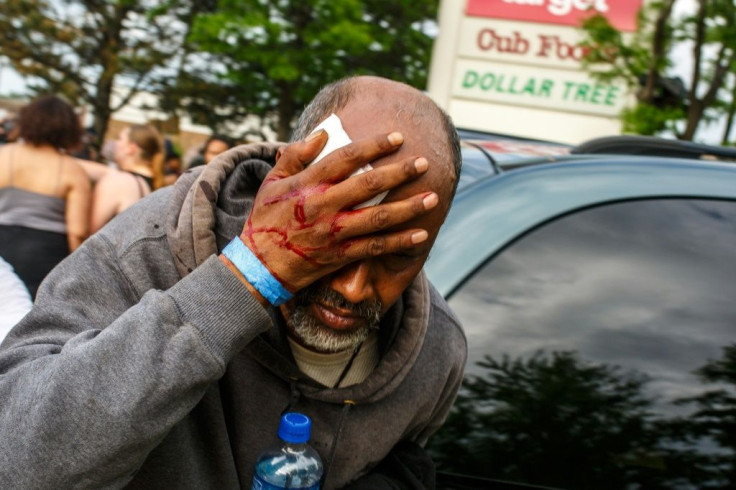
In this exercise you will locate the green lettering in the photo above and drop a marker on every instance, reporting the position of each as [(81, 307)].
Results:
[(487, 81), (582, 92), (595, 98), (612, 95), (530, 87), (546, 88), (499, 85), (470, 78), (568, 86), (512, 86)]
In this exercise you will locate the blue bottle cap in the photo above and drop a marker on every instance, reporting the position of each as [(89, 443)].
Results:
[(295, 428)]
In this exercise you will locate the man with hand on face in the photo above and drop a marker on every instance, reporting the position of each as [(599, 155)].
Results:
[(163, 352)]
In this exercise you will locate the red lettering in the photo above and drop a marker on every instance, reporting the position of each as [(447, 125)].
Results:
[(485, 39), (490, 40), (521, 43), (560, 49), (545, 44)]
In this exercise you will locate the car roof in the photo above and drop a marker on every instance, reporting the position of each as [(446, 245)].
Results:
[(654, 146), (492, 153), (487, 153), (517, 201)]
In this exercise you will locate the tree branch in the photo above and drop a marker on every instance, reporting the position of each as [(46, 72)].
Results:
[(719, 75), (698, 51), (659, 51)]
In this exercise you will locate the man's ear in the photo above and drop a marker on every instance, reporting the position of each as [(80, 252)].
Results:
[(279, 152)]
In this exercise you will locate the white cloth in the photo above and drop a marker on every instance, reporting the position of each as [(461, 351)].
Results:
[(16, 300), (337, 138)]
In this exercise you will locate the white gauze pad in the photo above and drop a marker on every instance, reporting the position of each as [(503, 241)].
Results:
[(337, 138)]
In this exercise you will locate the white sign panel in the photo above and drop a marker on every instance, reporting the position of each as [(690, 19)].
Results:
[(515, 67), (519, 42), (536, 87)]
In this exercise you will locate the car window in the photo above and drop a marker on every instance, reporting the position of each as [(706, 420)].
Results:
[(602, 353)]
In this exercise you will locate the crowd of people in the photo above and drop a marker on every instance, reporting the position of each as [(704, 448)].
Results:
[(53, 196)]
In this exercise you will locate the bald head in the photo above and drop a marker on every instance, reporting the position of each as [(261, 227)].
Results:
[(367, 108), (369, 105)]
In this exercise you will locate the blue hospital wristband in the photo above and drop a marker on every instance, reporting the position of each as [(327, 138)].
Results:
[(256, 273)]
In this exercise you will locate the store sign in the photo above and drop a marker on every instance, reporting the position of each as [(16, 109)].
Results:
[(536, 87), (521, 42), (620, 13)]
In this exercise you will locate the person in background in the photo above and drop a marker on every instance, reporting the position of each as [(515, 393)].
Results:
[(8, 132), (172, 163), (16, 300), (44, 193), (139, 156), (88, 149), (214, 145)]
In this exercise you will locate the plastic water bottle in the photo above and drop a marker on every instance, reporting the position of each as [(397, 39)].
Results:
[(292, 463)]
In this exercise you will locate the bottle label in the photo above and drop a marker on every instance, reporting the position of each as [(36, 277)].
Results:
[(260, 484)]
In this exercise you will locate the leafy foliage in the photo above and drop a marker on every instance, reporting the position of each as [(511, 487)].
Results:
[(81, 49), (644, 61), (269, 58), (216, 61), (554, 420), (542, 419)]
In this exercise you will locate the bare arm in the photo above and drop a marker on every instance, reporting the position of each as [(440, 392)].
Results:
[(78, 203), (106, 200), (95, 171)]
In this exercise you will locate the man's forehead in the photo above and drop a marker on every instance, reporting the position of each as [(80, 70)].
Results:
[(382, 107), (372, 112)]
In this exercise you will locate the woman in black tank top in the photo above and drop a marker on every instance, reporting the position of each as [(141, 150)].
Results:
[(139, 156), (44, 193)]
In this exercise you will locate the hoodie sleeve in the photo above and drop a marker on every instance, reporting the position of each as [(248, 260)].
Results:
[(93, 378)]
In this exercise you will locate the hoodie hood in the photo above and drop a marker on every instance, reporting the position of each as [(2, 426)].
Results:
[(231, 180), (209, 207)]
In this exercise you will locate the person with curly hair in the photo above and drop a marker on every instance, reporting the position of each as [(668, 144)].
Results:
[(44, 192)]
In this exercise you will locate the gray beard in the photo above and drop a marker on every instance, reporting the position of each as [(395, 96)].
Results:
[(314, 334)]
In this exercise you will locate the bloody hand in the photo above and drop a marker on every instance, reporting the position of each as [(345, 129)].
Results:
[(302, 226)]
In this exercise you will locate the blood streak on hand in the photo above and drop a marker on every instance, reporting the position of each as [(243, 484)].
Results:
[(279, 235), (301, 196)]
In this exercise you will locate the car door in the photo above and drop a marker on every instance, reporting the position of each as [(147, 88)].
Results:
[(602, 353)]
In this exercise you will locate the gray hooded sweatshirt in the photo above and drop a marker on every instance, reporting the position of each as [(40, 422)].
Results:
[(146, 362)]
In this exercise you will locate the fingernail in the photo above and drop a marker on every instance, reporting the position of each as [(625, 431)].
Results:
[(395, 138), (430, 200), (421, 164), (419, 236), (315, 135)]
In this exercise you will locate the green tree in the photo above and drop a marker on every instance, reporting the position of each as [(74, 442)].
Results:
[(553, 420), (702, 446), (644, 62), (269, 59), (83, 49)]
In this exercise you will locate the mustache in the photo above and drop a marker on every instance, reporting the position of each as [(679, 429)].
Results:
[(370, 310)]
